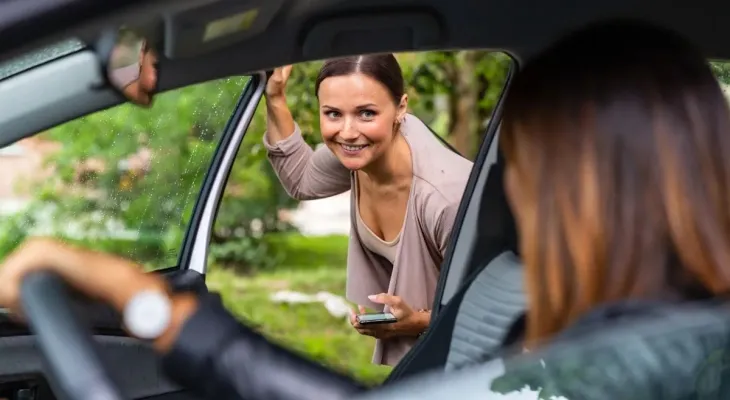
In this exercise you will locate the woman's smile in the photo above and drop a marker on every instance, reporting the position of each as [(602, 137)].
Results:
[(352, 149)]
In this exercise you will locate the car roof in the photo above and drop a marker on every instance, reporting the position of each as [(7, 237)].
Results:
[(314, 29)]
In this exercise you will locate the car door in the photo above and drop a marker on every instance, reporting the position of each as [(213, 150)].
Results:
[(140, 183)]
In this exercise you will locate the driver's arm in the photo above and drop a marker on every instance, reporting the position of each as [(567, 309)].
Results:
[(217, 357)]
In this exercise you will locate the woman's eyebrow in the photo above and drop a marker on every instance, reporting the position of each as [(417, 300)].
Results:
[(358, 107), (368, 105)]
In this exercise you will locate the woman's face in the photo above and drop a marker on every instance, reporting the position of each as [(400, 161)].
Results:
[(357, 118)]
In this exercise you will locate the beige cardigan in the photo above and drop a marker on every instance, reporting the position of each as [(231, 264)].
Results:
[(439, 179)]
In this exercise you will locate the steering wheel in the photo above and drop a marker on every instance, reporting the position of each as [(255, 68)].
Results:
[(73, 366)]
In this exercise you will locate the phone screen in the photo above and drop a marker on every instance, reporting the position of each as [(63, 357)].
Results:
[(376, 318)]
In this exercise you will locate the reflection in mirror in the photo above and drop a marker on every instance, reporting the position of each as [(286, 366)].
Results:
[(132, 67)]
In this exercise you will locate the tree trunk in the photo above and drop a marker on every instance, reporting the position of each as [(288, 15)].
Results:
[(463, 104)]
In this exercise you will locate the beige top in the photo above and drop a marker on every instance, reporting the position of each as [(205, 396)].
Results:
[(439, 179), (370, 240)]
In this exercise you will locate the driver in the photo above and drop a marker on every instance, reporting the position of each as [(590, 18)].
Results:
[(617, 142)]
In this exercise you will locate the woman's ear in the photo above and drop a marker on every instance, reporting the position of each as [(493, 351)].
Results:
[(402, 108)]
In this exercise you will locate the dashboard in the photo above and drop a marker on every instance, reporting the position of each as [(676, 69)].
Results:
[(132, 365)]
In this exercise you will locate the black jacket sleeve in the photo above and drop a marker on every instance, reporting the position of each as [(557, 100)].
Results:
[(216, 357)]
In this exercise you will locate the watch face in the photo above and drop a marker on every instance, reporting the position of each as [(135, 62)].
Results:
[(148, 314)]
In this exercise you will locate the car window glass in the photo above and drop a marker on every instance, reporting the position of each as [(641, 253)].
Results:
[(38, 57), (122, 180), (280, 263)]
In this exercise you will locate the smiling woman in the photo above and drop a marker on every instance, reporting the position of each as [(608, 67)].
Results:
[(406, 184)]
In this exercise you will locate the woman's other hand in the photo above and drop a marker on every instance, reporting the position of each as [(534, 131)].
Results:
[(410, 323), (276, 85)]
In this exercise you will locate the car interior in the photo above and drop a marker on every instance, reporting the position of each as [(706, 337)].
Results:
[(480, 290)]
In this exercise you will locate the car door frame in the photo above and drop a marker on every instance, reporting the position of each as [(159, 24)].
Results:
[(460, 250), (196, 243)]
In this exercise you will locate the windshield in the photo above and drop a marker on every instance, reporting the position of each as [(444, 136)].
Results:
[(123, 181), (38, 57)]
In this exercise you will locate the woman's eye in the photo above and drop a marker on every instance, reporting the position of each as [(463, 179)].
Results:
[(367, 114), (332, 114)]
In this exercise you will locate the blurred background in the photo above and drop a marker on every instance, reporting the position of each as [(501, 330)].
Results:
[(129, 177)]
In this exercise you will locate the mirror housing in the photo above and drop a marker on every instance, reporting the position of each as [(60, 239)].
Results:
[(129, 62)]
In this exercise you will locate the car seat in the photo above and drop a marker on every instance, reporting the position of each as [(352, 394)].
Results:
[(666, 352), (472, 324)]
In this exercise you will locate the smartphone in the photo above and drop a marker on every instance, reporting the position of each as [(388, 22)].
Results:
[(376, 318)]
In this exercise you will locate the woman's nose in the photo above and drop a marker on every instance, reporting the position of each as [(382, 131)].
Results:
[(349, 131)]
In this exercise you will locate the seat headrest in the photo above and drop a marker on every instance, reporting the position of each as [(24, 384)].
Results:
[(495, 216), (496, 231)]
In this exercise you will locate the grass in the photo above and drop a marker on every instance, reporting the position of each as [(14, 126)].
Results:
[(307, 252), (311, 264)]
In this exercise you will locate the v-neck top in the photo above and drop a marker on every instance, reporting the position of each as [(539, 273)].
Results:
[(371, 241), (439, 179)]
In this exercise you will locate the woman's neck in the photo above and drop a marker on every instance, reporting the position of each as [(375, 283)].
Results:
[(393, 166)]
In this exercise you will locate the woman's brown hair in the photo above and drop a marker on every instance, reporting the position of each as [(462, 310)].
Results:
[(619, 136), (384, 68)]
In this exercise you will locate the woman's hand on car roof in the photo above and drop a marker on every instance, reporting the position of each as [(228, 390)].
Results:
[(276, 84)]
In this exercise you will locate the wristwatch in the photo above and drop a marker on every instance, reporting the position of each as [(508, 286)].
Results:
[(148, 314)]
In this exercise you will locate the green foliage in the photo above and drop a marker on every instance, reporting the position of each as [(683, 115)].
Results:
[(145, 249), (251, 254), (721, 71), (304, 252), (430, 74), (306, 328), (245, 254), (93, 189), (13, 230)]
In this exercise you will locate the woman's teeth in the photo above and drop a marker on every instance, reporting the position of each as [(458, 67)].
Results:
[(349, 147)]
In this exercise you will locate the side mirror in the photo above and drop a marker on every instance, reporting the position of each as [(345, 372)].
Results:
[(130, 61)]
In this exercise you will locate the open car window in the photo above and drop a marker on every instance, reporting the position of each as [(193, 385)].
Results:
[(290, 256), (123, 180)]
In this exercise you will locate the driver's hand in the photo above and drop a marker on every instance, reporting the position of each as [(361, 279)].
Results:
[(29, 257), (104, 277), (276, 84)]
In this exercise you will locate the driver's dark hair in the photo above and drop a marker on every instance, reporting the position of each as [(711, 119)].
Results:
[(384, 68), (619, 137)]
